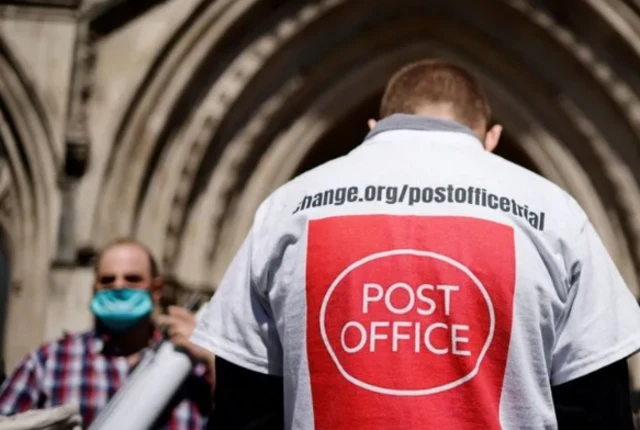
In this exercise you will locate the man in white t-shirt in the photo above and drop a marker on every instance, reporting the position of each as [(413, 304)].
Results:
[(422, 282)]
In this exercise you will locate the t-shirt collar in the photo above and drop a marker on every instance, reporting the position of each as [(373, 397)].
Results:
[(405, 122)]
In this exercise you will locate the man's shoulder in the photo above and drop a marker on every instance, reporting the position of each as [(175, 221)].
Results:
[(71, 337), (529, 181), (508, 169), (279, 200), (317, 175), (68, 340), (565, 217)]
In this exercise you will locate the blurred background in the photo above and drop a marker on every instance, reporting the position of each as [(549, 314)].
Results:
[(172, 120)]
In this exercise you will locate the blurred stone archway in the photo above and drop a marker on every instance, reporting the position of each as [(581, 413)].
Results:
[(248, 94), (235, 97), (28, 200), (248, 91)]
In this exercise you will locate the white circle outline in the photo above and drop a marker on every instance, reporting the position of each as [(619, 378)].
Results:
[(391, 391)]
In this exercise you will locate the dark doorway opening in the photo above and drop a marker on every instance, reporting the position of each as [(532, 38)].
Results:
[(352, 128)]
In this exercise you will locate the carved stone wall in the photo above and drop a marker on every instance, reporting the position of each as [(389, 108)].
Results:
[(31, 153), (181, 116)]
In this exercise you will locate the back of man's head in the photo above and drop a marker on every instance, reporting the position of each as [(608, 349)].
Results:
[(439, 89)]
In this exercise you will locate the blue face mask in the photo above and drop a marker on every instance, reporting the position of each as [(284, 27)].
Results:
[(122, 309)]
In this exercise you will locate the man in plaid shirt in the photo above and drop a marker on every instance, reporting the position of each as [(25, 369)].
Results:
[(88, 368)]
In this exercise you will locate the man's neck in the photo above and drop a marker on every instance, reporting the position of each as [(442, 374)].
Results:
[(131, 342)]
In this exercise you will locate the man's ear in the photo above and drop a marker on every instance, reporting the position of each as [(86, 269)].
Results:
[(492, 137), (371, 123)]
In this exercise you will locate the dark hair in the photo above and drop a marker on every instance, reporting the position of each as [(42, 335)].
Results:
[(153, 264), (434, 82)]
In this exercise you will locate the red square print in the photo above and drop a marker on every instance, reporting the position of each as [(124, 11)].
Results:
[(409, 321)]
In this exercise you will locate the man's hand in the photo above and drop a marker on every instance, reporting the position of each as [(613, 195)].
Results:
[(179, 324)]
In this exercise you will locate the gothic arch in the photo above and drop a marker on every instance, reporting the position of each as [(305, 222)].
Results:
[(161, 102), (27, 189), (223, 119)]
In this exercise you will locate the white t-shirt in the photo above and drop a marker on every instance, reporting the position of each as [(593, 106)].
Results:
[(421, 282)]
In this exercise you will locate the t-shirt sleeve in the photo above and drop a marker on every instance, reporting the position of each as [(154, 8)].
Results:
[(238, 324), (601, 320)]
